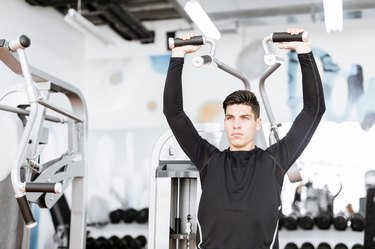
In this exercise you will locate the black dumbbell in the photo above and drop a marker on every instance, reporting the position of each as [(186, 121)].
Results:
[(130, 241), (291, 245), (137, 243), (340, 222), (116, 216), (141, 241), (324, 245), (102, 243), (307, 245), (90, 242), (142, 216), (357, 222), (129, 215), (341, 246), (117, 243), (307, 221), (290, 222), (357, 246), (323, 221)]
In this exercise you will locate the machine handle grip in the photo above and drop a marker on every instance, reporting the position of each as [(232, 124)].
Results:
[(286, 37), (43, 187), (201, 60), (22, 42), (177, 42), (27, 215)]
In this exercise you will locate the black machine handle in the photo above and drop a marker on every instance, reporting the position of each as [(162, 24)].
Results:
[(24, 41), (177, 42), (26, 211), (202, 60), (43, 187), (286, 37)]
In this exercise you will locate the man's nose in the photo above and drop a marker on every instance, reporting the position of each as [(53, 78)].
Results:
[(236, 124)]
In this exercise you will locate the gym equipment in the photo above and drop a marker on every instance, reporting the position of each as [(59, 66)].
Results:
[(341, 246), (129, 215), (291, 245), (357, 222), (324, 245), (116, 216), (316, 208), (114, 242), (175, 187), (307, 245), (358, 246), (290, 221), (340, 221), (142, 216), (323, 220), (33, 180)]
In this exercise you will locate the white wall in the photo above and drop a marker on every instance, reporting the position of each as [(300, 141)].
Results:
[(56, 48)]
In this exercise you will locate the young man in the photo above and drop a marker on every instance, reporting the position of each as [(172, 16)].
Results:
[(240, 202)]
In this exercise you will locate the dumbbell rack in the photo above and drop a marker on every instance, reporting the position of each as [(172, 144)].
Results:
[(316, 236)]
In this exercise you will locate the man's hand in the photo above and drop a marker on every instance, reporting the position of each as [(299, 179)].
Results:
[(299, 47), (181, 51)]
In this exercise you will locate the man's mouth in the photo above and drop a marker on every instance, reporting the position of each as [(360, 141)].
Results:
[(236, 134)]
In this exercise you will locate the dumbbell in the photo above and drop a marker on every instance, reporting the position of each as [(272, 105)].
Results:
[(116, 216), (142, 216), (340, 222), (132, 215), (137, 243), (291, 245), (357, 246), (341, 246), (323, 221), (117, 243), (129, 215), (102, 243), (324, 245), (307, 245), (90, 243), (290, 222), (357, 222)]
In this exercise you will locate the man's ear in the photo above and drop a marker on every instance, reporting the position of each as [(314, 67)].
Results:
[(258, 124)]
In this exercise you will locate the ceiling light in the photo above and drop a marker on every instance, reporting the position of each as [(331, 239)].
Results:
[(333, 15), (201, 19), (83, 25)]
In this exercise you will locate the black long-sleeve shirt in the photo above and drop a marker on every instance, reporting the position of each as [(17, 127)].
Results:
[(240, 202)]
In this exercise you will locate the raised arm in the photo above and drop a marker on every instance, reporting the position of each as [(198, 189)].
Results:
[(288, 149), (195, 147)]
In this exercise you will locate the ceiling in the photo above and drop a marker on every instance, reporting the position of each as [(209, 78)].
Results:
[(127, 17)]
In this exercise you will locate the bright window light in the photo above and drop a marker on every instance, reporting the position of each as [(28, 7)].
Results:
[(201, 19), (333, 15)]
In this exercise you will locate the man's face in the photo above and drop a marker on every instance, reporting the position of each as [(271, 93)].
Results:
[(241, 126)]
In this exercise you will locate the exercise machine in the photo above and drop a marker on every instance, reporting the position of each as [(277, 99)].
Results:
[(174, 185), (35, 180)]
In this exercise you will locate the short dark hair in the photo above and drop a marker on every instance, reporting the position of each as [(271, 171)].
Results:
[(242, 97)]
